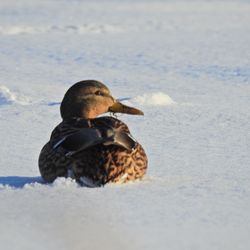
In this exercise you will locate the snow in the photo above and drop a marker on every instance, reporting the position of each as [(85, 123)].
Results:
[(186, 64), (155, 99), (8, 97)]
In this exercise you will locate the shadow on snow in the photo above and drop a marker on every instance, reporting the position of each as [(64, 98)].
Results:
[(19, 181)]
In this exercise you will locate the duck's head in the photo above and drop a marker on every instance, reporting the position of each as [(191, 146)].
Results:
[(88, 99)]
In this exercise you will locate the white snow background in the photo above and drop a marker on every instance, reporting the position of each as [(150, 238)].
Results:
[(186, 64)]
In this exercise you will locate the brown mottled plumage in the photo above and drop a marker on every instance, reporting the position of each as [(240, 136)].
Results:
[(98, 159)]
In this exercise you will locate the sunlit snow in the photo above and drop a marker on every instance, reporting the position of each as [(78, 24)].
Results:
[(186, 65)]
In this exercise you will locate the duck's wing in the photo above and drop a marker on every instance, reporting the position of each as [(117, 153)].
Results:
[(105, 132)]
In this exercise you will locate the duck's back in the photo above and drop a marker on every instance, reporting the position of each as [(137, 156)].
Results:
[(83, 149)]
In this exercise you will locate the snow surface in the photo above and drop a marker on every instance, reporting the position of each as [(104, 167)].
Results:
[(186, 64)]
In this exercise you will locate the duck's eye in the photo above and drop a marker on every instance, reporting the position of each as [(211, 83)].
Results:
[(98, 92)]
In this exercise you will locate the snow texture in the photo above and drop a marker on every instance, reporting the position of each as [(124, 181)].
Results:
[(8, 97), (186, 64), (154, 99)]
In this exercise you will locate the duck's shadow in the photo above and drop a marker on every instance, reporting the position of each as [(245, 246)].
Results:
[(19, 181)]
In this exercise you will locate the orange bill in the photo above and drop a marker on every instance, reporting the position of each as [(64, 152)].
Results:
[(118, 107)]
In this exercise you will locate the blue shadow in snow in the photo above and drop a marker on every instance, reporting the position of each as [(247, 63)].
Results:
[(54, 103), (19, 181), (124, 99)]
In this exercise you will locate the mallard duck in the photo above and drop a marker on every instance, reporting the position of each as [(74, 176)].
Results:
[(93, 150)]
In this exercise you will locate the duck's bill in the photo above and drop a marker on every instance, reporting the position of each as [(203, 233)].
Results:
[(118, 107)]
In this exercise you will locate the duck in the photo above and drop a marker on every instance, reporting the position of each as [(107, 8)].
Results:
[(92, 148)]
